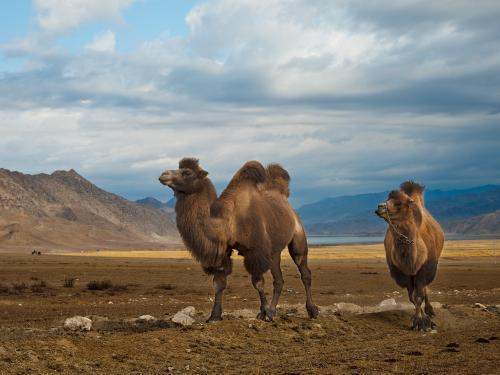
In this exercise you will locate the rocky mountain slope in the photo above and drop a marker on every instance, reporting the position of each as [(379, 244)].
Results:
[(167, 207), (464, 211), (64, 210)]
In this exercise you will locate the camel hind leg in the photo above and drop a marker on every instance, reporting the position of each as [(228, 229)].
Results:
[(277, 284), (257, 264), (298, 251)]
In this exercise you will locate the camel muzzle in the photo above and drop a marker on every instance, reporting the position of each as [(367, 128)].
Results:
[(167, 178), (381, 210)]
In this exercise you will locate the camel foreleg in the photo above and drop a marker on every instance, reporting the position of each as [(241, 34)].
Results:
[(421, 321)]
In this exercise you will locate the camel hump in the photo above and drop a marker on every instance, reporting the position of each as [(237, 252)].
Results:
[(413, 190), (278, 178), (250, 171)]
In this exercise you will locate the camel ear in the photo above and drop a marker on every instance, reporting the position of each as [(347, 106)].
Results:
[(202, 173)]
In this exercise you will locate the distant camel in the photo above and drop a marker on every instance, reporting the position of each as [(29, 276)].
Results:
[(413, 245), (252, 216)]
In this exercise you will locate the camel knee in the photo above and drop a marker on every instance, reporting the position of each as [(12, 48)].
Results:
[(258, 282), (305, 275), (220, 282)]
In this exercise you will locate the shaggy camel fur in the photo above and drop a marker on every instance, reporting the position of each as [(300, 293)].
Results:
[(413, 245), (252, 216)]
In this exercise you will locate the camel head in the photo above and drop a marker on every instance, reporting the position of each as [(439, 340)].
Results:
[(399, 208), (188, 179)]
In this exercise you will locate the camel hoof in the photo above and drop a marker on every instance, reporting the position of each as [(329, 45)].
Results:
[(214, 319), (422, 324), (267, 315), (313, 311)]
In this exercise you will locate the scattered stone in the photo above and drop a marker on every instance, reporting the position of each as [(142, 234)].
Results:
[(147, 318), (493, 308), (183, 319), (190, 311), (254, 327), (478, 305), (346, 307), (99, 322), (390, 302), (78, 323)]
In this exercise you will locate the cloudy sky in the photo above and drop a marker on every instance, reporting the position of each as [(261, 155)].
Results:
[(350, 96)]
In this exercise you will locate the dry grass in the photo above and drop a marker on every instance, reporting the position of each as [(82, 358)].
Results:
[(452, 249)]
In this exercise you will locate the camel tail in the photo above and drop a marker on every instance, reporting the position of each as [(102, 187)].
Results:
[(413, 190), (278, 178)]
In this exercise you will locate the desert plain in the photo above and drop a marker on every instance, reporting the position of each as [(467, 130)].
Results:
[(363, 327)]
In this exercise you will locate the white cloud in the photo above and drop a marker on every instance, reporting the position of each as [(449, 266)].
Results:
[(348, 98), (103, 43), (61, 15)]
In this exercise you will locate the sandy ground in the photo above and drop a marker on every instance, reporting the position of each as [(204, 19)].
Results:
[(161, 283)]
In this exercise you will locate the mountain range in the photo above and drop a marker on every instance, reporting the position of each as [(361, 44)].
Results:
[(63, 210), (473, 211)]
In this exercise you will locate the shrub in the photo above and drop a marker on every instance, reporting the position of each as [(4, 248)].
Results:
[(19, 288), (165, 286), (69, 282), (119, 288), (99, 285), (38, 287), (4, 289)]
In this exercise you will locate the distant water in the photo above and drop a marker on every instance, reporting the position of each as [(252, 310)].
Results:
[(338, 240)]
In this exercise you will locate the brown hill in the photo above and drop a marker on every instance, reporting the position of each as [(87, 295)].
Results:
[(65, 211), (477, 225)]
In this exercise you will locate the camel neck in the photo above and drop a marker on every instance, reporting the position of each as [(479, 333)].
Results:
[(193, 209), (406, 252), (198, 230)]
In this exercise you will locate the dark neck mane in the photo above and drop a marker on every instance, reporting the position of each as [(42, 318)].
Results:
[(202, 235)]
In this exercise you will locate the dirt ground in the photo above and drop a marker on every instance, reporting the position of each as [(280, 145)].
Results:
[(34, 304)]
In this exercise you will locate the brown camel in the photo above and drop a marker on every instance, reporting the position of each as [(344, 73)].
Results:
[(413, 245), (252, 216)]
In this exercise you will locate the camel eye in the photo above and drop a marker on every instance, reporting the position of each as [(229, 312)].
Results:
[(186, 172)]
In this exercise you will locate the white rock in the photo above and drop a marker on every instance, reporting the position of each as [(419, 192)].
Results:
[(479, 305), (347, 307), (189, 311), (78, 323), (147, 318), (182, 319), (388, 302)]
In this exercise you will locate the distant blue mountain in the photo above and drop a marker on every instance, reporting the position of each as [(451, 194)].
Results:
[(470, 211)]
